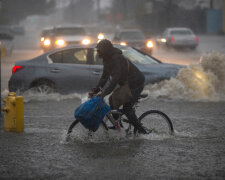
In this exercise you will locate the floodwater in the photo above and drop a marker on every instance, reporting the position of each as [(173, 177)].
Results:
[(196, 151), (194, 100)]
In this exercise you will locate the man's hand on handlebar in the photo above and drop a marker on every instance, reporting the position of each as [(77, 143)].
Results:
[(100, 94), (95, 92), (91, 94)]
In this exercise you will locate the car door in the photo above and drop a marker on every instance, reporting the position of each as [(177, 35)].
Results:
[(70, 70), (96, 69)]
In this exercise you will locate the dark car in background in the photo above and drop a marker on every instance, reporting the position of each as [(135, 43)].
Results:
[(61, 36), (178, 37), (45, 40), (77, 68), (134, 38)]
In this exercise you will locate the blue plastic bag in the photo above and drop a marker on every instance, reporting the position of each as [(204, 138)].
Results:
[(91, 113)]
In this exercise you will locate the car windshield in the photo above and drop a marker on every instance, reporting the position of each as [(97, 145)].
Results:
[(132, 54), (137, 57), (132, 36), (46, 32), (70, 31), (181, 32)]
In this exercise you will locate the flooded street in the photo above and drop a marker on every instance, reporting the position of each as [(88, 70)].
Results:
[(53, 52), (194, 103), (196, 151)]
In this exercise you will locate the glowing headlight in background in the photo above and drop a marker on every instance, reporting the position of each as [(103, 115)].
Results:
[(47, 42), (60, 42), (149, 44), (42, 39), (86, 41), (101, 36), (163, 40), (123, 43)]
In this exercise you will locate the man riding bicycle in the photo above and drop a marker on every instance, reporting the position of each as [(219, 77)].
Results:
[(124, 74)]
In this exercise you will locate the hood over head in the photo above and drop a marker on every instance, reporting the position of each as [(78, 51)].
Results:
[(104, 48)]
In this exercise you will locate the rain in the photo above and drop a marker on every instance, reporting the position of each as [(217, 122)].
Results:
[(186, 81)]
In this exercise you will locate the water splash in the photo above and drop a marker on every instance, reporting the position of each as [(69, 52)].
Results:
[(4, 93), (198, 82), (30, 96), (82, 135), (184, 134), (202, 81)]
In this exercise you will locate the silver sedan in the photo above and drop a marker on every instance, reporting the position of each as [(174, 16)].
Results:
[(77, 68), (179, 38)]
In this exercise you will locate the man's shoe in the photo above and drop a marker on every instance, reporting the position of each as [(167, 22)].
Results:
[(142, 130)]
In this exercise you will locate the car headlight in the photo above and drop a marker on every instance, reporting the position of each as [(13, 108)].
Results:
[(47, 42), (163, 40), (101, 36), (86, 41), (149, 44), (60, 42), (123, 43), (42, 39)]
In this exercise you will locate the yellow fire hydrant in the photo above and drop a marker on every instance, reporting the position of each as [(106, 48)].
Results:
[(2, 52), (14, 114)]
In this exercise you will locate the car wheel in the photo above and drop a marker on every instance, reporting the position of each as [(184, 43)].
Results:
[(44, 87)]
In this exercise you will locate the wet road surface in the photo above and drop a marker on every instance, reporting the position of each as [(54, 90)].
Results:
[(196, 151)]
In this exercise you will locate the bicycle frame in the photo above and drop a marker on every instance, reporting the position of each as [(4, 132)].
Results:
[(119, 121)]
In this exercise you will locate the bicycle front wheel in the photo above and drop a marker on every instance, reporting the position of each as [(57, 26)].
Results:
[(155, 121)]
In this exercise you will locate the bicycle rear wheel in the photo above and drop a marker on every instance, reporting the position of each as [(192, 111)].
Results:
[(156, 122)]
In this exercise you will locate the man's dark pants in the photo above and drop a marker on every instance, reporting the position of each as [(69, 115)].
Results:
[(128, 108)]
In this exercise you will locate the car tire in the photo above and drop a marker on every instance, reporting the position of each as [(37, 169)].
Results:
[(44, 87)]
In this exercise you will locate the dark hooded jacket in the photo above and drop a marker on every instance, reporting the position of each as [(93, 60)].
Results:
[(116, 66)]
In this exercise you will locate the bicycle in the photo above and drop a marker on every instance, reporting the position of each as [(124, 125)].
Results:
[(153, 121)]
